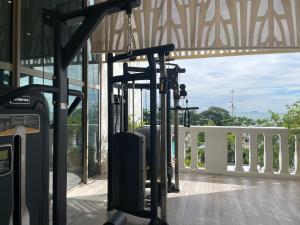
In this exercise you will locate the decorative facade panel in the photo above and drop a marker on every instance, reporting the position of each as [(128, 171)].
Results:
[(206, 27)]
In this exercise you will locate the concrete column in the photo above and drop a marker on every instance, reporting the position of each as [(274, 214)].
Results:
[(253, 153), (239, 152), (284, 154), (268, 154)]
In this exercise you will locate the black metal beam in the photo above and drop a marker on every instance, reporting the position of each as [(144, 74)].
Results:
[(125, 98), (110, 130), (184, 108), (108, 7), (60, 100), (153, 131), (93, 15), (130, 77), (169, 142), (164, 49)]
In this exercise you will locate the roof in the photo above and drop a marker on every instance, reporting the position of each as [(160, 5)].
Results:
[(205, 28)]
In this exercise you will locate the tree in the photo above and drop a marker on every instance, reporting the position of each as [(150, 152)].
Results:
[(291, 119), (217, 115)]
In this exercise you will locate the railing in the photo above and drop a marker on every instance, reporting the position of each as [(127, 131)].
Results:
[(216, 150)]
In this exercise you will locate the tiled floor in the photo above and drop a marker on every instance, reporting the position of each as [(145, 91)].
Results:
[(203, 200)]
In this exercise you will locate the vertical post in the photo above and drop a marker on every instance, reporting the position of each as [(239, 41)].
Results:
[(60, 128), (16, 43), (153, 136), (169, 141), (297, 154), (85, 107), (284, 154), (142, 113), (126, 98), (238, 152), (163, 132), (253, 153), (176, 136), (268, 154), (99, 140), (110, 128)]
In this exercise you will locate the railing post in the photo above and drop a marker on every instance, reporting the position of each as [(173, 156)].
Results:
[(194, 150), (253, 153), (181, 149), (297, 155), (268, 153), (284, 154), (238, 152)]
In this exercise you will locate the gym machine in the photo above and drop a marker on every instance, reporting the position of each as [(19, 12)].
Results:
[(24, 163), (186, 116), (173, 72), (126, 150), (65, 49)]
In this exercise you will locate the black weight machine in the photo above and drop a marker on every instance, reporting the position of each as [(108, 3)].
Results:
[(173, 72), (126, 150), (65, 49)]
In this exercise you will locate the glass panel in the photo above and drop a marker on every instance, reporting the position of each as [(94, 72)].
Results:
[(5, 78), (93, 72), (74, 150), (75, 68), (37, 38), (5, 30), (93, 126)]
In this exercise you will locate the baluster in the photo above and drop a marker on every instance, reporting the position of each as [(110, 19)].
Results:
[(284, 154), (297, 155), (181, 147), (268, 153), (253, 153), (194, 150), (239, 152)]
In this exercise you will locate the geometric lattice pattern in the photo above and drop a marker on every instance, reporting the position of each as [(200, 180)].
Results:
[(206, 27)]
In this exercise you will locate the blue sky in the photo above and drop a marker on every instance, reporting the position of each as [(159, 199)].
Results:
[(260, 82)]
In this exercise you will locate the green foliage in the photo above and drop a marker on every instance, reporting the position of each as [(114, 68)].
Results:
[(188, 157), (291, 119), (231, 148), (215, 116), (260, 149), (134, 124)]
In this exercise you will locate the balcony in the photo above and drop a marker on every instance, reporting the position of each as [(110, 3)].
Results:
[(218, 193), (216, 151)]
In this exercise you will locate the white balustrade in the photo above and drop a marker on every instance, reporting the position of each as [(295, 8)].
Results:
[(216, 152), (297, 155)]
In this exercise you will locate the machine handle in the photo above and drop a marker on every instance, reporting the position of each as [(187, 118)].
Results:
[(41, 88)]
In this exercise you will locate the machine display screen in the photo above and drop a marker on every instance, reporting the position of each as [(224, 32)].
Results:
[(5, 160)]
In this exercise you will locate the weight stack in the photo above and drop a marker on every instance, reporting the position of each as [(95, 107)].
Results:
[(128, 172)]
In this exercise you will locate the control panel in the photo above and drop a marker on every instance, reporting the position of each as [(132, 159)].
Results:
[(5, 159)]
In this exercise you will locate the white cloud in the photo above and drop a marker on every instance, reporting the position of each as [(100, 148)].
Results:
[(260, 82)]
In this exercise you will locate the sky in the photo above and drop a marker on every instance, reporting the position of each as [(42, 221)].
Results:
[(260, 82)]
